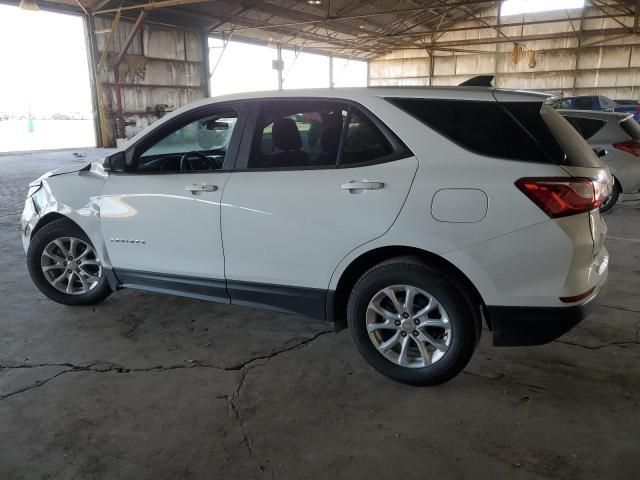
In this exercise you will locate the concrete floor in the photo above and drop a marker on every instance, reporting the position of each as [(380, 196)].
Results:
[(159, 387)]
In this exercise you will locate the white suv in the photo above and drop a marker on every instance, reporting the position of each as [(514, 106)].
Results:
[(408, 214)]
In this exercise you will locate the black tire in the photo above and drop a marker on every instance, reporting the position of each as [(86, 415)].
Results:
[(52, 231), (464, 317), (612, 199)]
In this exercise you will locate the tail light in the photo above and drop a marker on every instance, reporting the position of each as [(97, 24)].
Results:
[(563, 196), (632, 146)]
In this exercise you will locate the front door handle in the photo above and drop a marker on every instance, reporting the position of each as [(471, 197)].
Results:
[(201, 187), (364, 185)]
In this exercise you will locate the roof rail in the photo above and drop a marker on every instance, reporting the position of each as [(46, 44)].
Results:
[(479, 81)]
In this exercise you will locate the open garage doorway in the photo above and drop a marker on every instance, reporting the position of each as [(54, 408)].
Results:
[(45, 96)]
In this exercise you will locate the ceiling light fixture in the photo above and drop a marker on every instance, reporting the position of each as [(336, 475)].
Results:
[(314, 2)]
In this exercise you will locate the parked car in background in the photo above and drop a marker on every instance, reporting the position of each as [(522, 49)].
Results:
[(407, 214), (617, 137), (597, 102)]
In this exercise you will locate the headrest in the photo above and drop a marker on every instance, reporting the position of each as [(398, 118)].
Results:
[(285, 135)]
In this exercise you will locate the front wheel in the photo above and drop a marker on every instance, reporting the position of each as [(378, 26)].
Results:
[(64, 265), (412, 323)]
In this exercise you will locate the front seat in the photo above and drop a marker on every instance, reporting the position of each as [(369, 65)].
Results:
[(330, 143), (286, 137)]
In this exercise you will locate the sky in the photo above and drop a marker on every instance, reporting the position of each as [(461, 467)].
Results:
[(58, 80)]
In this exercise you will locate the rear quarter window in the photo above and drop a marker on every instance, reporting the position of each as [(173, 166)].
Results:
[(482, 127), (527, 131)]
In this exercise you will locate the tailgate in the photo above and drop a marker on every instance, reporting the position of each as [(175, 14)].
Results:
[(601, 176), (581, 161)]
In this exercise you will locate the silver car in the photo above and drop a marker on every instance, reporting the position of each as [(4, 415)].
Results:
[(616, 138)]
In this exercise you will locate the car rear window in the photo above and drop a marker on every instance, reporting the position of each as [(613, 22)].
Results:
[(482, 127), (631, 127), (587, 127), (577, 150), (529, 116)]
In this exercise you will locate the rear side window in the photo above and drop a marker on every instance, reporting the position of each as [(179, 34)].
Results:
[(363, 142), (631, 127), (584, 103), (482, 127), (587, 127), (298, 135)]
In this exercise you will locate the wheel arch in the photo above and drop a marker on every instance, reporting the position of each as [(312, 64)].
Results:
[(337, 299), (49, 218)]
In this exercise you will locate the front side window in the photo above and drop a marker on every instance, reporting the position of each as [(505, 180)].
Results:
[(199, 145), (297, 134)]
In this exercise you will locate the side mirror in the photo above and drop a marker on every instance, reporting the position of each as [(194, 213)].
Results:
[(115, 162), (600, 152), (217, 126)]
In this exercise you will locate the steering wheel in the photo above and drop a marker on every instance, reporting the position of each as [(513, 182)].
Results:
[(194, 161)]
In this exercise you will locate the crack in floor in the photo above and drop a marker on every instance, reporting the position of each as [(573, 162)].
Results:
[(233, 398), (244, 368), (616, 307), (604, 345), (507, 378), (105, 367)]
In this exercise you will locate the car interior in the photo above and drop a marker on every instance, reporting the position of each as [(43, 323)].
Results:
[(199, 145), (297, 134), (309, 134)]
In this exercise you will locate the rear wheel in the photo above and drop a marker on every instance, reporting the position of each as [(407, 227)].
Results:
[(64, 265), (612, 199), (412, 323)]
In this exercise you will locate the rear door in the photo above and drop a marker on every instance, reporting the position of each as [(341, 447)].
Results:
[(315, 179)]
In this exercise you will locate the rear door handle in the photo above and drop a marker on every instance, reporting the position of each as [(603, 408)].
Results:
[(364, 185), (201, 187)]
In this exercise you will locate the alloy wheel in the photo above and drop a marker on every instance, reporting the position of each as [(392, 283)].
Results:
[(71, 265), (408, 326)]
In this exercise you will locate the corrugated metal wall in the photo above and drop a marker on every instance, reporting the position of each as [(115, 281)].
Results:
[(605, 64), (162, 70)]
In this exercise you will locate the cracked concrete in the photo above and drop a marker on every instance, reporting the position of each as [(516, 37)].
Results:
[(151, 386)]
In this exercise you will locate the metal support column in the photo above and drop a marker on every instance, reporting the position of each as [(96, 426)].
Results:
[(280, 65), (206, 78), (331, 83), (368, 73), (92, 56)]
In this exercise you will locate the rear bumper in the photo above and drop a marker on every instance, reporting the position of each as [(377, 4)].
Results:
[(521, 326)]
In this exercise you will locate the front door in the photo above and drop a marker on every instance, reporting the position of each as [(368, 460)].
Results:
[(161, 216), (315, 180)]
